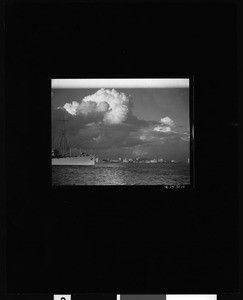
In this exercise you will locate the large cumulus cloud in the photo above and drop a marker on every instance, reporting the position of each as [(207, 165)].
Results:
[(114, 106)]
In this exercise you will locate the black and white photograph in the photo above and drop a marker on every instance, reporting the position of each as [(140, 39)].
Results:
[(121, 132), (120, 149)]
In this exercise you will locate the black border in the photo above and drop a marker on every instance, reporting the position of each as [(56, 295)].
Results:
[(37, 296)]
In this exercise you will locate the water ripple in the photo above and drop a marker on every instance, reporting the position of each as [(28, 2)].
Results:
[(122, 174)]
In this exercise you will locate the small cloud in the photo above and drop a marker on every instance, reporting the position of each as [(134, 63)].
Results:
[(143, 137), (140, 150), (97, 139), (72, 108), (167, 121), (165, 125), (185, 138), (90, 124), (61, 108), (163, 129), (147, 137), (186, 135)]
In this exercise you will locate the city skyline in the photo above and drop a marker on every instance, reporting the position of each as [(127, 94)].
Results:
[(124, 122)]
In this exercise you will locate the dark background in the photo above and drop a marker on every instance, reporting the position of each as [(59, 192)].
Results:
[(120, 240)]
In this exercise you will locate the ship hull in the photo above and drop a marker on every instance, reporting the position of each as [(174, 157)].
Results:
[(74, 161)]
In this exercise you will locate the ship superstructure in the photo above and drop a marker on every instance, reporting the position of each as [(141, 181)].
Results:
[(63, 155)]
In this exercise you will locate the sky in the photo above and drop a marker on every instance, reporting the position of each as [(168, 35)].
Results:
[(123, 120)]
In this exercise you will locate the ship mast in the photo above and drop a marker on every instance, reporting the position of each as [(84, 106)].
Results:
[(63, 140)]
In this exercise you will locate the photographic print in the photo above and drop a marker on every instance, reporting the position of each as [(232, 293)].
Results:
[(121, 132)]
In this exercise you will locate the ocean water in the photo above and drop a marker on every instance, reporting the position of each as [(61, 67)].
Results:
[(122, 174)]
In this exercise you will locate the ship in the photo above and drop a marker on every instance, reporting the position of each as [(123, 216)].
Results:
[(63, 155), (86, 160)]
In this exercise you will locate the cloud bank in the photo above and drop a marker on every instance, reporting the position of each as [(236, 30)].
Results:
[(103, 122)]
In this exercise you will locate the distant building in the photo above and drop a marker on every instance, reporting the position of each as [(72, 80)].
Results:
[(153, 161), (125, 160), (105, 159), (160, 160), (173, 161), (114, 160)]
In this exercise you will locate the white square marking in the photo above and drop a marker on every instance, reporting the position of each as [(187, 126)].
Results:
[(191, 297), (62, 297)]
